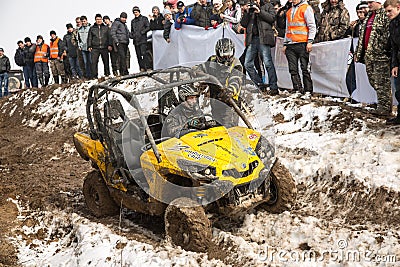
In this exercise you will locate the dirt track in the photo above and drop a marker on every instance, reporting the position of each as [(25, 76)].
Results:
[(42, 169)]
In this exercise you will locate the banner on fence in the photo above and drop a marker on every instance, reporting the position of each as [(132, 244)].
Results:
[(328, 61), (191, 45)]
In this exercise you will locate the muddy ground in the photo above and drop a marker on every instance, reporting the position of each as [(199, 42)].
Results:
[(42, 170)]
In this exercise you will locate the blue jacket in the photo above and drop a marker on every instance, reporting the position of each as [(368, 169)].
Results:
[(185, 14)]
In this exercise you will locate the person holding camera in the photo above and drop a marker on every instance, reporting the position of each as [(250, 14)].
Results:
[(258, 20), (183, 16), (297, 45)]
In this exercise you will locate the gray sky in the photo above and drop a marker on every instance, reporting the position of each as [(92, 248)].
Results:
[(21, 18)]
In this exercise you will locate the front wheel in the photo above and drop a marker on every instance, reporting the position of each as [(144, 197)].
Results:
[(282, 190), (97, 196), (187, 225)]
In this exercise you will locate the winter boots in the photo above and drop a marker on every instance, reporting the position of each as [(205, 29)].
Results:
[(396, 120)]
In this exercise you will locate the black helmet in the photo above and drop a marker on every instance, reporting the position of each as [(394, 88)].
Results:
[(187, 90), (225, 50)]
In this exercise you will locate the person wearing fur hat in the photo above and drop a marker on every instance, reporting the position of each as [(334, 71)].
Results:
[(372, 50), (335, 20)]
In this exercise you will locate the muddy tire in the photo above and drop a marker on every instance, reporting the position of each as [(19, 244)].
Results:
[(187, 225), (97, 196), (283, 190)]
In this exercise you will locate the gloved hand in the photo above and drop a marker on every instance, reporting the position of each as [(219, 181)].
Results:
[(211, 124), (195, 123), (206, 28), (224, 96)]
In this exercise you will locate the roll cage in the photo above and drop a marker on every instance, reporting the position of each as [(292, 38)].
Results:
[(98, 124)]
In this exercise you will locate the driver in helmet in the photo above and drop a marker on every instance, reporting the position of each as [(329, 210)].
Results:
[(187, 115), (229, 71)]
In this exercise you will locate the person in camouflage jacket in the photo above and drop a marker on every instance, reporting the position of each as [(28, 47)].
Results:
[(373, 50), (335, 21)]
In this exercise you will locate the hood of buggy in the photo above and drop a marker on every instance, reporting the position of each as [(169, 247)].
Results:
[(229, 154)]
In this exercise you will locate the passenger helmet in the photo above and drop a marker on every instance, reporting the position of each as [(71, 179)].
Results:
[(225, 50), (187, 90)]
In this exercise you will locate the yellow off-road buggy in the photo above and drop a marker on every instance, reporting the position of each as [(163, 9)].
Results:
[(189, 179)]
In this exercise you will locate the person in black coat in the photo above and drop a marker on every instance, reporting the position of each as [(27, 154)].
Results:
[(139, 27), (71, 50), (156, 20), (258, 20), (5, 68), (99, 43), (120, 37), (31, 79)]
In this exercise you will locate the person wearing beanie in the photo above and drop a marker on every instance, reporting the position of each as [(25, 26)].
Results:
[(392, 8), (140, 25), (41, 60), (168, 22), (354, 32), (5, 68), (214, 18), (183, 15), (56, 58), (99, 44), (156, 19), (71, 50), (114, 52), (372, 50), (120, 38), (30, 71)]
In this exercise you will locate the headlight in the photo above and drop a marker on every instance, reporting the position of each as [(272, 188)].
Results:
[(192, 167), (265, 151)]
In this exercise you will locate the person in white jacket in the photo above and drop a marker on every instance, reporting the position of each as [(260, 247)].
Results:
[(232, 14)]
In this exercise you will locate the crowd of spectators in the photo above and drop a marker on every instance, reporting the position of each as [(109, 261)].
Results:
[(300, 22)]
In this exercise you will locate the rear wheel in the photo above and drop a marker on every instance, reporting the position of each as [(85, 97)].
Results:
[(282, 189), (97, 196), (187, 225)]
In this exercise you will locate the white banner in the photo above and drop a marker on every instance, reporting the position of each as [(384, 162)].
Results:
[(191, 45), (328, 62)]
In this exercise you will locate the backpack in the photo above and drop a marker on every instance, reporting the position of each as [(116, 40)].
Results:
[(20, 58)]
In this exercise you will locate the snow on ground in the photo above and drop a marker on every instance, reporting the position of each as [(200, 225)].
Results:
[(308, 144), (62, 239)]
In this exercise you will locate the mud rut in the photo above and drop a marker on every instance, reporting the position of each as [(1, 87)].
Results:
[(42, 171)]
